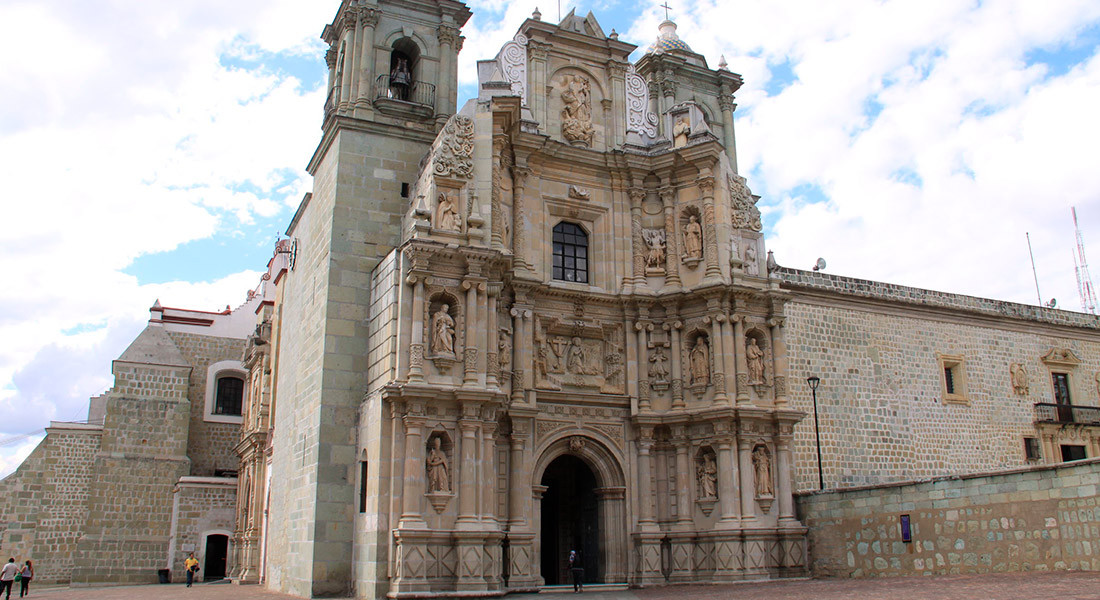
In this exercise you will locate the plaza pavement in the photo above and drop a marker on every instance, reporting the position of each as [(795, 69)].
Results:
[(1000, 586)]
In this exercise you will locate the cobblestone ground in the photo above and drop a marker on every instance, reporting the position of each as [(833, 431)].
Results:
[(1006, 586)]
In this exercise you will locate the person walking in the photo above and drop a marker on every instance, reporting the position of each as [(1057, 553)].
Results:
[(191, 565), (26, 575), (577, 570), (7, 577)]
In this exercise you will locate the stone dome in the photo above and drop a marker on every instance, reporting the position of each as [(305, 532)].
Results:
[(668, 40)]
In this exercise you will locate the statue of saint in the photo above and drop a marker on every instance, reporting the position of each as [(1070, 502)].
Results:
[(700, 362), (576, 357), (707, 473), (658, 369), (443, 331), (693, 238), (400, 79), (680, 132), (762, 465), (756, 361), (447, 213), (655, 255), (505, 353), (752, 266), (439, 479)]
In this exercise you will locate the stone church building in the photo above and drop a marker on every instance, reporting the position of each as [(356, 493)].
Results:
[(547, 321)]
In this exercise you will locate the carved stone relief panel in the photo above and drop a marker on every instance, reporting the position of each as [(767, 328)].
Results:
[(576, 113), (1019, 379), (744, 211)]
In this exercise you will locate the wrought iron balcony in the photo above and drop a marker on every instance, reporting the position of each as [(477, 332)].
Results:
[(1066, 413), (419, 94)]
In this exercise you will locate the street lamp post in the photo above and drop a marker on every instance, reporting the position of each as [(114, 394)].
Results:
[(813, 380)]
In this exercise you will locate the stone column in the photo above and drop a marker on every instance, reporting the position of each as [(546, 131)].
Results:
[(538, 53), (742, 363), (447, 35), (664, 508), (416, 347), (368, 19), (492, 333), (672, 253), (331, 101), (783, 458), (748, 489), (727, 485), (489, 473), (718, 332), (467, 485), (522, 372), (677, 374), (642, 327), (519, 219), (710, 233), (726, 103), (496, 231), (779, 362), (637, 196), (413, 484), (348, 48), (729, 361), (469, 350), (612, 535), (518, 489), (646, 521), (685, 480)]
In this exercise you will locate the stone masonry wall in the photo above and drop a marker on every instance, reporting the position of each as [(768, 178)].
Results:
[(880, 401), (43, 504), (202, 508), (1030, 519), (383, 346), (209, 445)]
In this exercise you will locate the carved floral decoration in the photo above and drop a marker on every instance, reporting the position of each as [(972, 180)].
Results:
[(452, 154), (745, 213)]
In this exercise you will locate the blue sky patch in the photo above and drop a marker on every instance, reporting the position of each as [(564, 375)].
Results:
[(1061, 58)]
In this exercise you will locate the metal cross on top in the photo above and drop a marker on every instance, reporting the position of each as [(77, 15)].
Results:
[(666, 7)]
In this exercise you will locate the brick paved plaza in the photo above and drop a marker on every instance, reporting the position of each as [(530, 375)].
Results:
[(1010, 586)]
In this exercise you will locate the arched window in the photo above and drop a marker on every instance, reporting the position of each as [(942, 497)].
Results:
[(570, 253), (404, 66), (229, 396)]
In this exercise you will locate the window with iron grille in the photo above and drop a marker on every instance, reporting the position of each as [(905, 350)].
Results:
[(230, 396), (570, 253)]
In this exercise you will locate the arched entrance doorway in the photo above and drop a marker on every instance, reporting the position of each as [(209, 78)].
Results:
[(570, 520)]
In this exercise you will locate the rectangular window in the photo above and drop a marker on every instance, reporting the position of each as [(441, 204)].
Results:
[(906, 529), (953, 384), (1031, 448), (362, 486), (404, 190), (1061, 388), (1073, 453), (949, 380)]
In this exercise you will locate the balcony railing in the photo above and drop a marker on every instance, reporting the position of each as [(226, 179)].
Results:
[(417, 93), (1066, 413)]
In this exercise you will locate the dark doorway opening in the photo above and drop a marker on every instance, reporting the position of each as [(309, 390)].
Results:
[(570, 521), (217, 546)]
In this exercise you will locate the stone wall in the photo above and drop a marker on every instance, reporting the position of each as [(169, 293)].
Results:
[(44, 502), (202, 505), (1029, 519), (209, 445), (881, 405)]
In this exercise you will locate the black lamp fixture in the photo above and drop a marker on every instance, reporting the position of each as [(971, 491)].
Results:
[(814, 380)]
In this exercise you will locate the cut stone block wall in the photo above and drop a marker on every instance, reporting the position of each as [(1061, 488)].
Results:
[(203, 506), (1030, 519), (44, 502)]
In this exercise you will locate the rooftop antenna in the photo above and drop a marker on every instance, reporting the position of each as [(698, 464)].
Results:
[(1033, 273), (1085, 287)]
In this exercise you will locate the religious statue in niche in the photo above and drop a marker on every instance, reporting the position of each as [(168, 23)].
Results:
[(576, 112), (693, 239), (613, 362), (505, 351), (756, 361), (400, 79), (707, 474), (1019, 379), (439, 478), (752, 266), (655, 248), (446, 213), (762, 465), (699, 364), (576, 357), (680, 131), (443, 331), (558, 345), (658, 365)]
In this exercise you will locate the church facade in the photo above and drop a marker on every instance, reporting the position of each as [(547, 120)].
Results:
[(543, 322)]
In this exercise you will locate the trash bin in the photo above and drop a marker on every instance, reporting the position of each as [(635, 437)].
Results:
[(165, 575)]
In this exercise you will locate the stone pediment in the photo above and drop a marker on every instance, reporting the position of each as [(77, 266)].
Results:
[(586, 25), (1061, 357)]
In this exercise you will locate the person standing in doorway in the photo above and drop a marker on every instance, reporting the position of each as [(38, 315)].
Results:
[(7, 577), (577, 570), (191, 565), (27, 575)]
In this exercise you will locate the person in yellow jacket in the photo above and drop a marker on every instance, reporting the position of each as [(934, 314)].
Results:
[(191, 565)]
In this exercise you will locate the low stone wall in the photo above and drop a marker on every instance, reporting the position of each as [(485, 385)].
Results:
[(1029, 519)]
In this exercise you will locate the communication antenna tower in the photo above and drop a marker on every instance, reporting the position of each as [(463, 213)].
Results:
[(1084, 281)]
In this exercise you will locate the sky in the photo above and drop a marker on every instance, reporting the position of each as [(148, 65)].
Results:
[(156, 150)]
